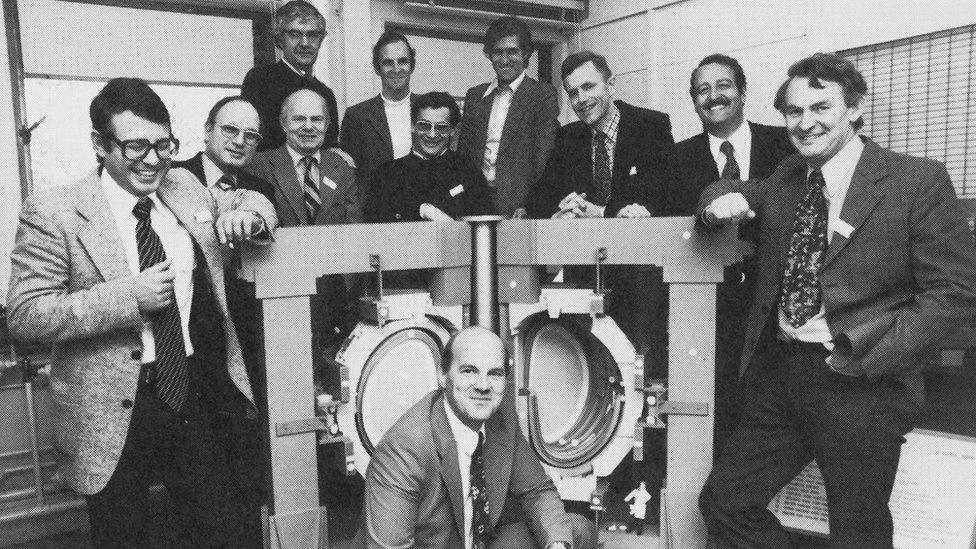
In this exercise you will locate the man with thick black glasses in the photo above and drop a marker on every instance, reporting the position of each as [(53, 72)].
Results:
[(122, 273)]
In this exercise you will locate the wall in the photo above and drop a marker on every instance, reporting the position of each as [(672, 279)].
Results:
[(766, 37)]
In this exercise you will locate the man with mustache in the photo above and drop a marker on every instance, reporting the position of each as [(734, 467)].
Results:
[(729, 148), (866, 264), (299, 30), (379, 129), (509, 125)]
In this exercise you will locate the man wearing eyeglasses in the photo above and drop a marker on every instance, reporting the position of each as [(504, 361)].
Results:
[(231, 137), (122, 273), (432, 182), (299, 30)]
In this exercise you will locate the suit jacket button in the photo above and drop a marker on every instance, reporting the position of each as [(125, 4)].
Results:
[(127, 404), (137, 354)]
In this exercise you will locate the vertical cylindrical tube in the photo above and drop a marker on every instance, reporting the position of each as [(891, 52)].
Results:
[(484, 271)]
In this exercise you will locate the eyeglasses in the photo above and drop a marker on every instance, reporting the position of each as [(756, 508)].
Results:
[(422, 126), (313, 37), (138, 149), (231, 131)]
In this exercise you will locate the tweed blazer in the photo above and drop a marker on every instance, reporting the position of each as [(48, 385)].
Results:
[(894, 286), (528, 138), (70, 285), (413, 483)]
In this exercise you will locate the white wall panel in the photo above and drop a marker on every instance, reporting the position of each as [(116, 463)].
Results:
[(622, 41), (103, 41)]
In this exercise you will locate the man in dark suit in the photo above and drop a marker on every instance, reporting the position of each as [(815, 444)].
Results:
[(509, 124), (378, 129), (122, 273), (865, 264), (299, 30), (729, 148), (623, 167), (455, 470)]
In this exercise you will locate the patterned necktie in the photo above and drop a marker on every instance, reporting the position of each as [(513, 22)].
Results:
[(479, 497), (601, 168), (800, 297), (313, 202), (172, 376), (226, 183), (731, 169)]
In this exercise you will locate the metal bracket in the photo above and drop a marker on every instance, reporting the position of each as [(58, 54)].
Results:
[(658, 405), (599, 256), (375, 310), (326, 421)]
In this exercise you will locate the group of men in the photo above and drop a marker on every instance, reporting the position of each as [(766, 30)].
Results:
[(863, 264)]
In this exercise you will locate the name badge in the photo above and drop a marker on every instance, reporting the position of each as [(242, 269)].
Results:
[(457, 190), (843, 228), (328, 183), (203, 216), (633, 170)]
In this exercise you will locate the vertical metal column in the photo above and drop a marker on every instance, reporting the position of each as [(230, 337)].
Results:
[(484, 270)]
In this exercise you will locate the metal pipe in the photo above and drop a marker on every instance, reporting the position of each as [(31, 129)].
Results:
[(484, 271), (37, 511), (20, 495)]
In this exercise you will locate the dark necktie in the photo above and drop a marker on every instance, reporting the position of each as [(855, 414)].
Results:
[(601, 168), (226, 183), (479, 497), (731, 169), (172, 377), (313, 202), (801, 297)]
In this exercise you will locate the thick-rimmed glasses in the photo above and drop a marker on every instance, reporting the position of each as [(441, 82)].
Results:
[(231, 131), (422, 126), (138, 149)]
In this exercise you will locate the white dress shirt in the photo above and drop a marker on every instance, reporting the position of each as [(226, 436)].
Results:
[(741, 140), (466, 441), (398, 120), (213, 174), (496, 123), (837, 173), (176, 243)]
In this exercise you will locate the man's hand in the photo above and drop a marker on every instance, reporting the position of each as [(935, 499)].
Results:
[(633, 210), (433, 213), (238, 226), (520, 213), (153, 287), (727, 208), (576, 206)]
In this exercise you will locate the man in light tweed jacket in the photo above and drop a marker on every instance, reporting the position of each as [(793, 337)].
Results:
[(122, 273)]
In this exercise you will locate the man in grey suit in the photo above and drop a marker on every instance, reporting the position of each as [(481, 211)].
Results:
[(455, 470), (865, 265), (378, 129), (509, 125), (122, 273)]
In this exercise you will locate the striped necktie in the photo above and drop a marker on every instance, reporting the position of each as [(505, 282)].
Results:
[(313, 202), (172, 376)]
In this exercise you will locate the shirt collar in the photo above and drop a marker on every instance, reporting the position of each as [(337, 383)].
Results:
[(423, 156), (212, 173), (120, 200), (741, 140), (295, 70), (610, 123), (839, 169), (514, 85), (465, 437), (391, 103), (297, 157)]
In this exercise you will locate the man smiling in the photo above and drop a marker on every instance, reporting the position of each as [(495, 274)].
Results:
[(453, 470), (865, 265)]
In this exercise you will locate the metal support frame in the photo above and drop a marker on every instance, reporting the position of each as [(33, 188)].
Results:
[(284, 274)]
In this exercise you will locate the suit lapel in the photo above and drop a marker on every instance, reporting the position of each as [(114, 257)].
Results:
[(287, 182), (480, 113), (792, 192), (100, 234), (447, 450), (191, 213), (498, 464), (862, 196), (516, 112), (703, 157), (381, 126)]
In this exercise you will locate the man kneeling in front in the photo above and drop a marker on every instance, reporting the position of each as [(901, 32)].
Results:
[(455, 470)]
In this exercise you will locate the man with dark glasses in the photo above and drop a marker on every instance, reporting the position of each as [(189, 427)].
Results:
[(122, 273)]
